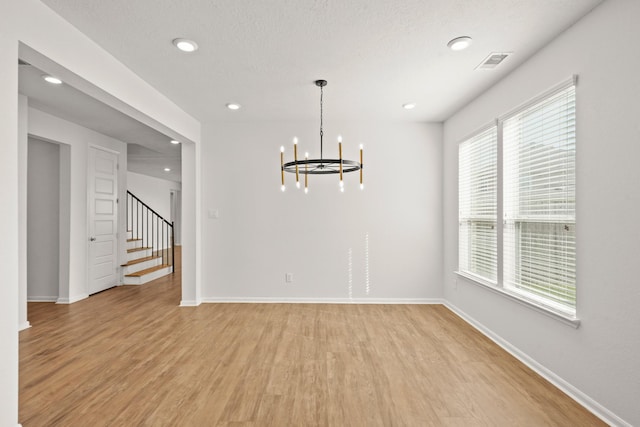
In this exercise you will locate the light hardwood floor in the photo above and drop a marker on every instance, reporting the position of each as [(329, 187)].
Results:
[(130, 357)]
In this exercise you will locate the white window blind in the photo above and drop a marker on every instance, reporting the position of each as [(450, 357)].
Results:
[(477, 201), (539, 152)]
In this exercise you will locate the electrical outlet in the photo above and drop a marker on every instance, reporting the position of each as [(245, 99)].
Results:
[(288, 277), (455, 283)]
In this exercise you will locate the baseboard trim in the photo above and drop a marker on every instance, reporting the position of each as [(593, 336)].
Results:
[(41, 299), (591, 405), (23, 326), (189, 303), (270, 300), (71, 300)]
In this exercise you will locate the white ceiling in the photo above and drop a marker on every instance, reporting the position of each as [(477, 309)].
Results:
[(265, 54), (149, 151)]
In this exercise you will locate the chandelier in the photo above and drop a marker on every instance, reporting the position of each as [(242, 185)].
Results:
[(319, 166)]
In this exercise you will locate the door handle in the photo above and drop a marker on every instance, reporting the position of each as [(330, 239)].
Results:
[(92, 239)]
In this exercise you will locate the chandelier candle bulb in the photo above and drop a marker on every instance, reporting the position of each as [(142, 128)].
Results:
[(361, 164), (306, 173), (282, 165), (295, 158), (340, 152)]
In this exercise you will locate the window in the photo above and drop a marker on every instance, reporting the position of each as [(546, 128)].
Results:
[(477, 191), (539, 151), (537, 184)]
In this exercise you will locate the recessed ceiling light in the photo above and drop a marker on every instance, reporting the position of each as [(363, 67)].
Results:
[(185, 45), (174, 142), (52, 80), (233, 106), (459, 43), (409, 106), (167, 169)]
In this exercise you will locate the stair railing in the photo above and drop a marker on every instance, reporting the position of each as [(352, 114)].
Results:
[(151, 229)]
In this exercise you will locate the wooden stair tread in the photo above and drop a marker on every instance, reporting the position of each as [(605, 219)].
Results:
[(133, 240), (147, 271), (139, 260), (136, 250)]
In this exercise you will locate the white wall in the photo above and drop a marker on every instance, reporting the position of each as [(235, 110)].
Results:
[(153, 191), (43, 221), (9, 224), (262, 233), (32, 23), (23, 142), (64, 252), (191, 231), (600, 358)]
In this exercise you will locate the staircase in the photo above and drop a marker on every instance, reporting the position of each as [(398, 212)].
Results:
[(150, 244)]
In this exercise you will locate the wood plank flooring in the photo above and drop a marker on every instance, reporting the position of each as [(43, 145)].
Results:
[(130, 356)]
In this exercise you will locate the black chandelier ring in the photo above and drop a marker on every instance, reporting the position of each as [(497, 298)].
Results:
[(322, 166)]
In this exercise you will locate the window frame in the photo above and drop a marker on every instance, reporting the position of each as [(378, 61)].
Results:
[(535, 302)]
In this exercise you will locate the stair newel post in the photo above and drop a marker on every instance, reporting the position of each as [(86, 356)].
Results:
[(153, 240), (173, 245), (145, 232), (138, 216), (139, 219)]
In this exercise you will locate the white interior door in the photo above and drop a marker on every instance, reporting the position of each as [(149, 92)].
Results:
[(103, 219)]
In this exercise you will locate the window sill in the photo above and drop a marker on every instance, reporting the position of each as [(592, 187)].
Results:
[(547, 311)]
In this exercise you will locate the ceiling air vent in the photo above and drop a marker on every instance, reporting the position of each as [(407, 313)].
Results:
[(493, 60)]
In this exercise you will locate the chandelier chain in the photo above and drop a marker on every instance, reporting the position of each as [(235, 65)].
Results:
[(321, 132)]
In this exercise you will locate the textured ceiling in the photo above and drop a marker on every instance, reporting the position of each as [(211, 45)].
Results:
[(265, 54)]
